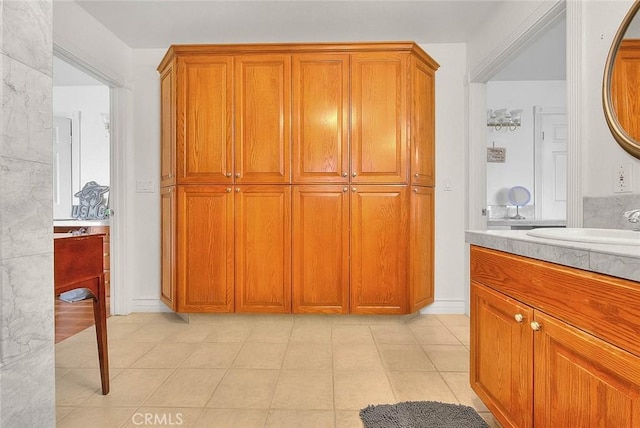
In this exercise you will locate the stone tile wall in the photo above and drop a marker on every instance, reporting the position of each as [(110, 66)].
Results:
[(27, 385), (606, 211)]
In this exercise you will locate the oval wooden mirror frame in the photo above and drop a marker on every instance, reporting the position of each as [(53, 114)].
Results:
[(619, 133)]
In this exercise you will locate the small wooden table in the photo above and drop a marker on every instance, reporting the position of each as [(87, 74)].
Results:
[(78, 263)]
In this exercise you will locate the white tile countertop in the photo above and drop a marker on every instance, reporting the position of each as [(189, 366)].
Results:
[(622, 261)]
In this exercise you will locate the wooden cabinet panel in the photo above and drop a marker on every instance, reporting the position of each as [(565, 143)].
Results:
[(257, 118), (204, 118), (167, 129), (320, 118), (205, 249), (580, 377), (263, 110), (501, 371), (263, 248), (320, 249), (582, 381), (379, 239), (625, 81), (571, 295), (422, 126), (421, 247), (168, 246), (378, 118)]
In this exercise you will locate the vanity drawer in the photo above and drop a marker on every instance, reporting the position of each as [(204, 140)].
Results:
[(604, 306)]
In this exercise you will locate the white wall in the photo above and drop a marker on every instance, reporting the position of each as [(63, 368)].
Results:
[(146, 247), (77, 32), (601, 153), (450, 247), (91, 102), (518, 170)]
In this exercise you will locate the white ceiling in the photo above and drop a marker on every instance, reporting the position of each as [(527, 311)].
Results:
[(145, 24), (158, 24)]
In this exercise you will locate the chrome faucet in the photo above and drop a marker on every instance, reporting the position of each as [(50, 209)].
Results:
[(633, 216)]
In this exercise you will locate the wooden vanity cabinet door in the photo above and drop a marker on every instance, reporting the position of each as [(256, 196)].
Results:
[(422, 124), (263, 118), (205, 249), (204, 135), (320, 118), (263, 248), (583, 381), (320, 249), (379, 117), (379, 249), (501, 370)]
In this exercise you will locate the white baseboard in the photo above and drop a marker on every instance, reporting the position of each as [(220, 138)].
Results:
[(148, 305), (445, 307), (437, 307)]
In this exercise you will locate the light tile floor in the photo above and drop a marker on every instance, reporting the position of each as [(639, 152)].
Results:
[(261, 370)]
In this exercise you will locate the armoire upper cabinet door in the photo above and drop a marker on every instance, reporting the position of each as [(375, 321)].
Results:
[(167, 129), (422, 124), (320, 118), (204, 117), (263, 111), (378, 117)]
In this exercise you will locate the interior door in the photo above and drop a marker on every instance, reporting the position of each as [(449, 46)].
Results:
[(551, 172), (62, 192)]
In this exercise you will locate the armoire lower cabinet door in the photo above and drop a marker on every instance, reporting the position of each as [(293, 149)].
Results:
[(320, 249), (168, 246), (379, 249), (205, 249), (421, 251), (263, 248)]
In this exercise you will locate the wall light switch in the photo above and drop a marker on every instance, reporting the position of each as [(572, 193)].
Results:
[(622, 178), (145, 186)]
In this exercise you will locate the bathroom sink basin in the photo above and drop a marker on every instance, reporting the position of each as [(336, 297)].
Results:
[(595, 236)]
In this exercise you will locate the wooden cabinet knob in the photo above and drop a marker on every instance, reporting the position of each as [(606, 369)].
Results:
[(353, 174), (344, 174), (535, 326), (519, 317), (353, 189), (237, 175), (416, 175), (415, 190), (344, 189), (237, 190), (228, 174), (228, 189)]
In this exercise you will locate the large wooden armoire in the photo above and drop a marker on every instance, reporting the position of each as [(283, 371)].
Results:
[(297, 178)]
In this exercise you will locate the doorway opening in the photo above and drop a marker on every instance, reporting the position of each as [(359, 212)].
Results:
[(81, 162)]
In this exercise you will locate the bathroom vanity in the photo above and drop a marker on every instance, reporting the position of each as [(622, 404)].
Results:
[(554, 330)]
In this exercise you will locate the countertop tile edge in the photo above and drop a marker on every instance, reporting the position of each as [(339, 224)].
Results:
[(577, 255)]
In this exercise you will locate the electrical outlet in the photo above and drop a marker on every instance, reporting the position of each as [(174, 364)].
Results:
[(622, 178)]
